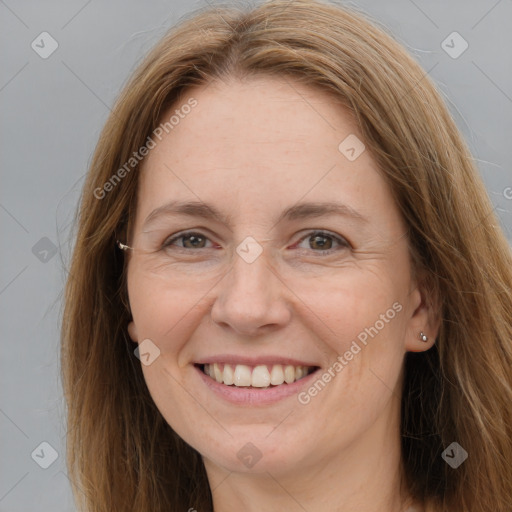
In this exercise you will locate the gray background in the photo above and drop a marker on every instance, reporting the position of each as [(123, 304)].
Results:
[(51, 113)]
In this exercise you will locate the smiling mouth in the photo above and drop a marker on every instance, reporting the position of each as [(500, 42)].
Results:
[(260, 376)]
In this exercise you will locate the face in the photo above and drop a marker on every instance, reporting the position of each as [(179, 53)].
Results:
[(271, 287)]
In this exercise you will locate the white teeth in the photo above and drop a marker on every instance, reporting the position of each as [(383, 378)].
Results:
[(217, 373), (229, 375), (277, 375), (289, 374), (242, 375), (259, 376)]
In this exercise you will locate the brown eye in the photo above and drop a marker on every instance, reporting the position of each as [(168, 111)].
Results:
[(193, 241), (320, 242), (326, 243), (188, 241)]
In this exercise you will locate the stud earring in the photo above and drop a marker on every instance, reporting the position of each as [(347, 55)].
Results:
[(423, 336), (122, 246)]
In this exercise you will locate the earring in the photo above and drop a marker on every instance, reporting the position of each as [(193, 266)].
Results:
[(423, 336), (122, 246)]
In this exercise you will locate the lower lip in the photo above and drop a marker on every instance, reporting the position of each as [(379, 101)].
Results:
[(255, 396)]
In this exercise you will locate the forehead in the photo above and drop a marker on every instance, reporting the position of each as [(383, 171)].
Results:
[(257, 144)]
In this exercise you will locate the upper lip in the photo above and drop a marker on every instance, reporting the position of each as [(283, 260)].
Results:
[(254, 361)]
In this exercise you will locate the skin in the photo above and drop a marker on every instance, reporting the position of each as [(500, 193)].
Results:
[(253, 148)]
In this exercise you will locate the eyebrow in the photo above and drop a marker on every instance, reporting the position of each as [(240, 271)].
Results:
[(296, 212)]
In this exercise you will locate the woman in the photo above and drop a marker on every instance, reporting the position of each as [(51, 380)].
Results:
[(289, 290)]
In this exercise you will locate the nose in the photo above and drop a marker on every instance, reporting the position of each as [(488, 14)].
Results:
[(251, 299)]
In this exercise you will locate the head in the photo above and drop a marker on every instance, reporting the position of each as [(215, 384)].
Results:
[(273, 111), (334, 293)]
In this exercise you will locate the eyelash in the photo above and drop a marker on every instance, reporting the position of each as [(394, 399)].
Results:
[(340, 240)]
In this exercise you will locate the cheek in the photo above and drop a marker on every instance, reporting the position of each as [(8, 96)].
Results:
[(168, 315), (361, 321), (166, 311), (347, 303)]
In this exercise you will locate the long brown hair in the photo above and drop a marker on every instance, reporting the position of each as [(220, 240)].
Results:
[(122, 455)]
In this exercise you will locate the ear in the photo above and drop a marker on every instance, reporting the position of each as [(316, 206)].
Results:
[(426, 319), (132, 331)]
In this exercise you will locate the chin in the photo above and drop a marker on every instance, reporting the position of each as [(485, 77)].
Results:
[(257, 452)]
